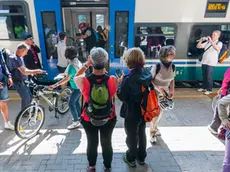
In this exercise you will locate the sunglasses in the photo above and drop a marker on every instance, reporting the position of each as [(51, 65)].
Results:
[(171, 54)]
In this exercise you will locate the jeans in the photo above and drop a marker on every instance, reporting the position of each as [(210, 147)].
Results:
[(216, 121), (74, 104), (61, 69), (207, 76), (105, 138), (226, 164), (135, 140), (223, 112), (24, 93)]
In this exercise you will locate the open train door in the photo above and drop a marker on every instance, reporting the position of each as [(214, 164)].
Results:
[(121, 35)]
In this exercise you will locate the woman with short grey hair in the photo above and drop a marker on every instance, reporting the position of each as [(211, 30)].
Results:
[(163, 80), (98, 114)]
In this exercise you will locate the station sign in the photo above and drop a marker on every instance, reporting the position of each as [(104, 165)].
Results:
[(216, 8)]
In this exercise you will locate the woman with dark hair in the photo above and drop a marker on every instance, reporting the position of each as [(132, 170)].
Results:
[(72, 69), (102, 37)]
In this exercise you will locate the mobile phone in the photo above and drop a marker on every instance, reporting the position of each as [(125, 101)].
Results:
[(118, 73)]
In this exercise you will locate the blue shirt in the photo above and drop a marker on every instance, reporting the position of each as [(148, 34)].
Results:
[(15, 63)]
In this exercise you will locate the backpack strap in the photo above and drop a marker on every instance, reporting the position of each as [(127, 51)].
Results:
[(173, 67), (93, 80), (158, 68)]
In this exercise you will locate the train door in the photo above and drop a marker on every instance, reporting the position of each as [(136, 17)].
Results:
[(121, 17), (116, 15), (94, 16)]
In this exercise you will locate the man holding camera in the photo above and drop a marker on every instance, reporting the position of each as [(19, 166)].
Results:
[(212, 47)]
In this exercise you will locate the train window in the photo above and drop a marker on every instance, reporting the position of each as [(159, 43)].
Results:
[(201, 30), (150, 37), (13, 20), (82, 18), (121, 32), (50, 33), (100, 20)]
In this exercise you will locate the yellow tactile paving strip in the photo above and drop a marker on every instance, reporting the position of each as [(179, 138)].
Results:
[(180, 93)]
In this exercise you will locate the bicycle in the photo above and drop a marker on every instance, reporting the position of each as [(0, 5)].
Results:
[(31, 119), (215, 99)]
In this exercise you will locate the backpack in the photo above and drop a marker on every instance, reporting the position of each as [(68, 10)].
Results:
[(159, 68), (5, 59), (99, 105), (223, 55), (96, 35), (149, 103)]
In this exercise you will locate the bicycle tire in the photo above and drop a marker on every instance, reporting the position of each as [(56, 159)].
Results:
[(18, 118), (58, 107)]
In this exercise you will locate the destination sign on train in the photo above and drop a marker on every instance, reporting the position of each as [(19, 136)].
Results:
[(217, 7)]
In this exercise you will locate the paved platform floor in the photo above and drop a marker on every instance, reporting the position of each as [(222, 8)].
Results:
[(185, 146)]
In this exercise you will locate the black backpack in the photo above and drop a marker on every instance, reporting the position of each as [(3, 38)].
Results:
[(5, 60), (99, 105), (159, 68)]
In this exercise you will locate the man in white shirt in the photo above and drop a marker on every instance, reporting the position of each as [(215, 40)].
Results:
[(212, 48), (62, 61)]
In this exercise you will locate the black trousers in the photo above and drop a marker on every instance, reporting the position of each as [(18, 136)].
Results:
[(61, 69), (135, 140), (207, 76), (105, 138)]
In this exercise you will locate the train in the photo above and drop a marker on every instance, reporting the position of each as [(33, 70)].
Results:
[(130, 23)]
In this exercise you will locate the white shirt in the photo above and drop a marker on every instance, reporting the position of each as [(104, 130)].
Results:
[(62, 61), (210, 57), (164, 76)]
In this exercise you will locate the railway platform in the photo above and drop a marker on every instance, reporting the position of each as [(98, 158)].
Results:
[(186, 145)]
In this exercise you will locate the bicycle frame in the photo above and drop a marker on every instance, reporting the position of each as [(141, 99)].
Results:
[(44, 94)]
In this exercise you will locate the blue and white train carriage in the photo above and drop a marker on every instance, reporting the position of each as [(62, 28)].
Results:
[(148, 24)]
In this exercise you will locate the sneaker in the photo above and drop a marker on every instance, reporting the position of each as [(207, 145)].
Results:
[(201, 90), (153, 139), (9, 126), (158, 133), (131, 164), (207, 92), (107, 169), (90, 169), (140, 162), (212, 131), (74, 125)]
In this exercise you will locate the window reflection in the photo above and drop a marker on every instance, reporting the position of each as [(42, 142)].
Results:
[(13, 21), (151, 38), (121, 32), (100, 21), (50, 33)]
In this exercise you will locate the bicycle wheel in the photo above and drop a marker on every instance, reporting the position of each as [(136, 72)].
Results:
[(29, 121), (62, 102), (214, 102)]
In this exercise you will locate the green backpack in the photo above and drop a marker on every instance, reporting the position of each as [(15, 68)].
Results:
[(99, 105)]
